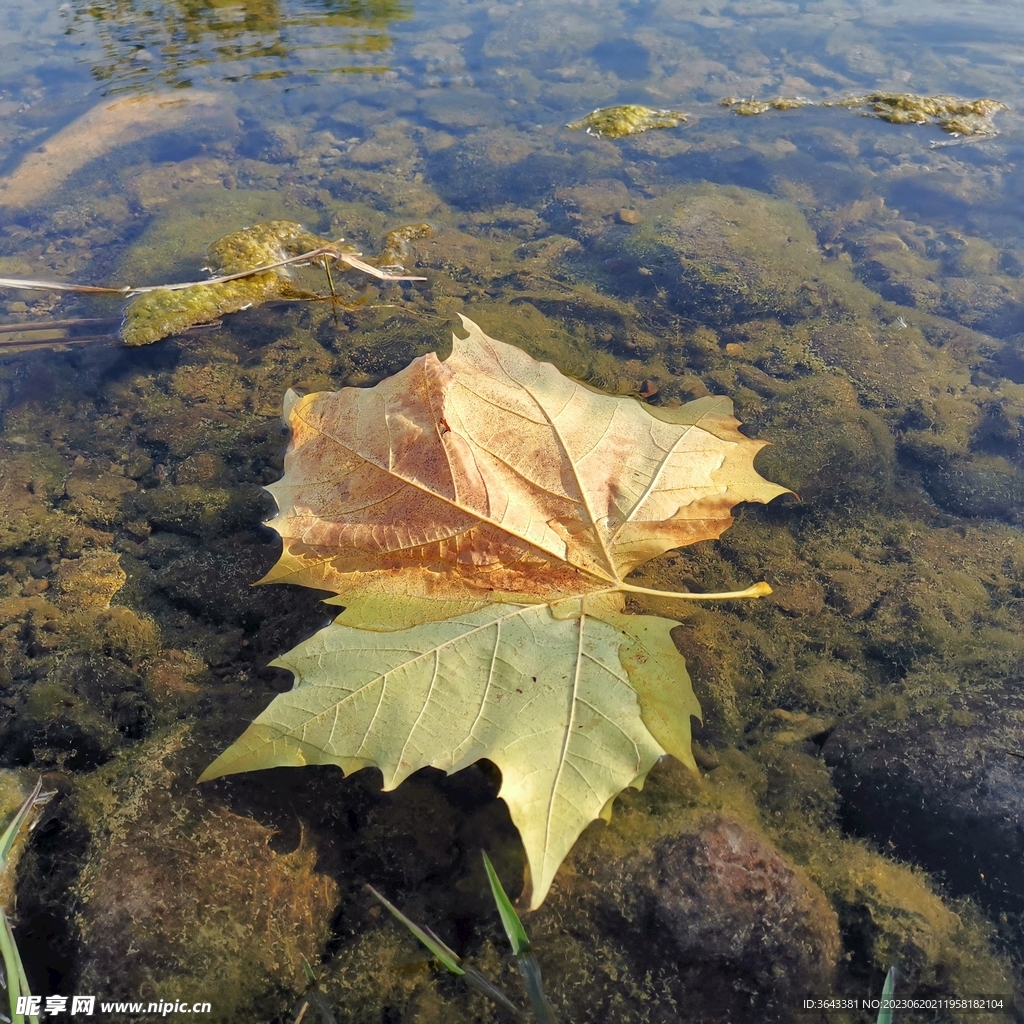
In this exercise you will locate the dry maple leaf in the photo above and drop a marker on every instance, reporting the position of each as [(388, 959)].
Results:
[(491, 476), (478, 518)]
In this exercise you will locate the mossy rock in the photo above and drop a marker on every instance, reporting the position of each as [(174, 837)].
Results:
[(193, 509), (724, 254), (182, 899)]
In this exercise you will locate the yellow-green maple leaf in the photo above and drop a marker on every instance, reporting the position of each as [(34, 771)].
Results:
[(478, 518)]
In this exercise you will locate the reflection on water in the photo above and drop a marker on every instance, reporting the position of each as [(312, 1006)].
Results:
[(857, 288), (180, 42)]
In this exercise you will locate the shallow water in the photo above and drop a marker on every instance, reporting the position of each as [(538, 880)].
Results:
[(857, 288)]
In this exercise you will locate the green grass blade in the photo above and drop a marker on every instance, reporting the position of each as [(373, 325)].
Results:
[(8, 951), (14, 970), (528, 966), (885, 1013), (451, 960), (509, 918), (448, 957), (316, 998), (530, 970), (476, 980), (17, 981), (16, 823), (311, 978)]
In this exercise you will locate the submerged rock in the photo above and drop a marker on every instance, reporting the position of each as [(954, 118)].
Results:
[(182, 899), (102, 129), (947, 794), (90, 581), (745, 924), (723, 254), (984, 487), (696, 909)]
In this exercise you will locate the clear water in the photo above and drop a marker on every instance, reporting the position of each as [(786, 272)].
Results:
[(874, 335)]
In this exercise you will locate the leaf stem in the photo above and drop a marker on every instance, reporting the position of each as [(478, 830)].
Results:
[(757, 590)]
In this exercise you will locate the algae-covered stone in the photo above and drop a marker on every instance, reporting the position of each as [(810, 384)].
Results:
[(731, 907), (187, 900), (952, 114), (681, 890), (984, 486), (945, 794), (826, 446), (395, 250), (75, 695), (631, 119), (90, 581), (262, 244), (191, 508), (156, 314), (31, 484), (722, 254), (95, 493)]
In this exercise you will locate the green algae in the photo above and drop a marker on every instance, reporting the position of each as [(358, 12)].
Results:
[(162, 313), (273, 247), (618, 122), (752, 107), (269, 242), (157, 314), (952, 114)]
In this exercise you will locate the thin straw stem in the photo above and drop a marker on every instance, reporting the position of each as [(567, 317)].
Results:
[(351, 258)]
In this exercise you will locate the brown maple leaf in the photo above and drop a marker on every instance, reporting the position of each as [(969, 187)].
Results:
[(490, 476)]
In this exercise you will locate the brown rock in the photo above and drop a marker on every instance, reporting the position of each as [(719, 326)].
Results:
[(90, 581), (182, 899), (754, 908), (800, 597), (96, 495), (743, 926)]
